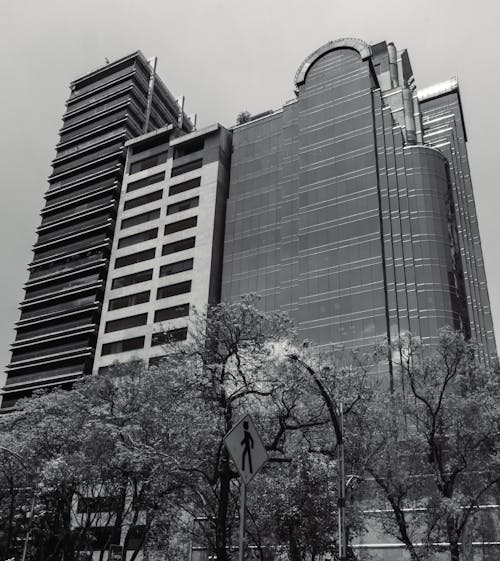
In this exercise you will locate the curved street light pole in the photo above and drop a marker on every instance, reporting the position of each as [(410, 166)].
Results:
[(337, 417)]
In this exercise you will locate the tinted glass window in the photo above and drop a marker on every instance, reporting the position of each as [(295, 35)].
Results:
[(134, 278), (177, 267), (134, 258), (123, 345), (150, 162), (138, 238), (181, 225), (188, 148), (140, 218), (172, 313), (183, 205), (125, 323), (156, 178), (169, 336), (184, 186), (184, 168), (173, 289), (145, 199), (129, 300), (181, 245)]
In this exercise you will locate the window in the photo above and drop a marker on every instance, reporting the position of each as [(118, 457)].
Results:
[(140, 219), (126, 323), (164, 337), (134, 278), (129, 300), (123, 346), (156, 178), (181, 245), (183, 205), (172, 313), (149, 162), (177, 267), (148, 144), (184, 168), (156, 360), (184, 186), (181, 225), (138, 238), (189, 147), (145, 199), (173, 289), (134, 258)]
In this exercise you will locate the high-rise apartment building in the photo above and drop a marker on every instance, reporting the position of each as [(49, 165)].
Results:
[(350, 208), (57, 331)]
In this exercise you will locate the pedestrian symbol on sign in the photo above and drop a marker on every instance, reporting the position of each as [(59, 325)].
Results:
[(246, 448), (247, 444)]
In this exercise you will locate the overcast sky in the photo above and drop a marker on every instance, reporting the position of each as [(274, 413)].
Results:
[(224, 56)]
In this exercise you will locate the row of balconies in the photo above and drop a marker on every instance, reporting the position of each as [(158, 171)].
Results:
[(71, 305), (92, 204), (49, 290), (128, 69), (74, 224), (64, 264), (54, 327), (106, 99), (63, 344), (71, 243), (89, 186)]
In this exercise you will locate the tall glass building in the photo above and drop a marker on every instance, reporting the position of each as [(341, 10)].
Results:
[(351, 207)]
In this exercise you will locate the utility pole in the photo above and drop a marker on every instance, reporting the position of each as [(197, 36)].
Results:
[(337, 417)]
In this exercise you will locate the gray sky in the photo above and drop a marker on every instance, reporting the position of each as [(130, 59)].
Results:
[(224, 56)]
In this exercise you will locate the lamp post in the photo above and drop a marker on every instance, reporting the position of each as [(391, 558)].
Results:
[(337, 417)]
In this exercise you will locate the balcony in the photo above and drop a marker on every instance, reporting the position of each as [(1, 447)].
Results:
[(106, 81), (64, 248), (70, 263), (54, 329), (59, 196), (92, 130), (67, 149), (53, 319), (78, 304), (122, 85), (47, 359), (62, 289), (70, 212), (89, 173), (16, 380), (72, 226)]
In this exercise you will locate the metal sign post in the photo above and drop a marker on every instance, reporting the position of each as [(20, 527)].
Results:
[(243, 514), (245, 446)]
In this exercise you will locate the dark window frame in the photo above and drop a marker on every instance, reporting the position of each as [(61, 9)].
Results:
[(180, 225)]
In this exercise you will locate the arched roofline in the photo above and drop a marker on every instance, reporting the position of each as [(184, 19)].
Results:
[(362, 48)]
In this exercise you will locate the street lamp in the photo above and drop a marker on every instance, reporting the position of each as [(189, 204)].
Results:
[(337, 417)]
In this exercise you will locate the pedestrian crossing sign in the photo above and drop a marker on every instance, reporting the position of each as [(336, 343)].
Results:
[(245, 445)]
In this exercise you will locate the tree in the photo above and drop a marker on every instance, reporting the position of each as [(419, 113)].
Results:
[(295, 504), (433, 445), (243, 117)]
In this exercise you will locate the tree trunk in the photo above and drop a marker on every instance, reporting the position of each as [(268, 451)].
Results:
[(221, 520), (453, 538), (293, 549)]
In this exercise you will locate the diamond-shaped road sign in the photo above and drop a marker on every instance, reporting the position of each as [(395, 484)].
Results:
[(246, 448)]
